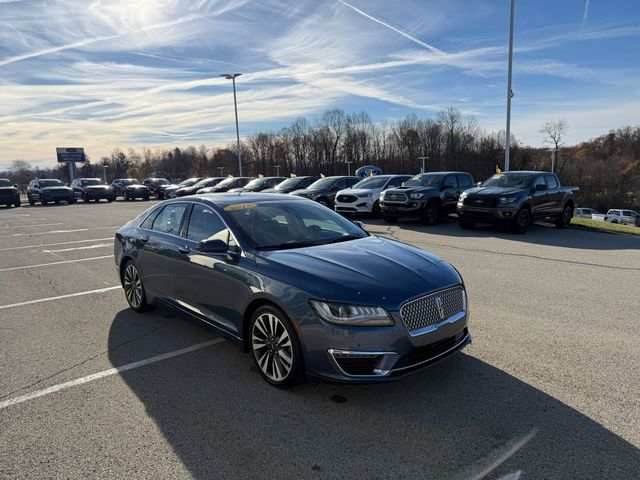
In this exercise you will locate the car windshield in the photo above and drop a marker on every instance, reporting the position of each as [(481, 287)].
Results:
[(92, 181), (161, 181), (510, 180), (130, 181), (226, 182), (257, 183), (371, 183), (288, 183), (322, 184), (283, 225), (426, 180), (203, 182), (51, 183), (5, 183), (188, 182)]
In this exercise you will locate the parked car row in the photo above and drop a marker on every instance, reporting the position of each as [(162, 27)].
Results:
[(620, 216)]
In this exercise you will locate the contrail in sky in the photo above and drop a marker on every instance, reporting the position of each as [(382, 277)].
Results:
[(404, 34), (585, 17)]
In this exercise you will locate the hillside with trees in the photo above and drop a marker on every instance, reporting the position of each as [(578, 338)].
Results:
[(606, 168)]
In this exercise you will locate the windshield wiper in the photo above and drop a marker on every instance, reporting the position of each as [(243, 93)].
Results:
[(284, 246), (344, 238)]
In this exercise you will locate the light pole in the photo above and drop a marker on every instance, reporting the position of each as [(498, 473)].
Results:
[(554, 153), (277, 167), (507, 142), (349, 162), (423, 159), (232, 77), (104, 172), (221, 171)]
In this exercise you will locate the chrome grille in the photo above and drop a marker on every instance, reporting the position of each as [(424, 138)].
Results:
[(488, 202), (347, 198), (433, 308), (395, 197)]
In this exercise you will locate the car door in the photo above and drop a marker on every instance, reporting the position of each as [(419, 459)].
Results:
[(554, 195), (540, 197), (338, 185), (213, 286), (450, 192), (76, 185), (159, 252), (35, 191), (465, 182)]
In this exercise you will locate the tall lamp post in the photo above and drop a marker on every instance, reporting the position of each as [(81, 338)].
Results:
[(277, 167), (232, 77), (554, 156), (221, 171), (423, 159), (349, 162), (104, 172), (507, 143)]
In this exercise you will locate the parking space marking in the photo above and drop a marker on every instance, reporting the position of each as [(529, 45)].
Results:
[(108, 373), (54, 244), (86, 247), (11, 269), (59, 297), (60, 231), (38, 225), (22, 220)]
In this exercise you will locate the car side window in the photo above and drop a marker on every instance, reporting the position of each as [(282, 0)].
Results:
[(464, 181), (205, 224), (168, 220), (551, 181), (350, 182), (396, 182), (339, 185), (450, 182), (540, 181)]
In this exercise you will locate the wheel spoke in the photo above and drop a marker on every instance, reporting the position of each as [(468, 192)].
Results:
[(286, 358)]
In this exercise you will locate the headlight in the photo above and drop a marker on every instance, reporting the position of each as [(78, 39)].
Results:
[(507, 199), (463, 195), (356, 315), (417, 196), (364, 195)]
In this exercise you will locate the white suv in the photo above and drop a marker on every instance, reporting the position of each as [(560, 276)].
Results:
[(363, 196), (630, 217)]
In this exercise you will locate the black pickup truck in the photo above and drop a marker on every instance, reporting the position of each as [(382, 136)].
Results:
[(427, 196), (517, 199)]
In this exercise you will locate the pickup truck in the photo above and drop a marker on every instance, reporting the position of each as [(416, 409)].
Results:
[(619, 215), (517, 199), (427, 196)]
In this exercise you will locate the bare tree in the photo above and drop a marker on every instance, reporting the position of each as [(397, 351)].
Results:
[(554, 132)]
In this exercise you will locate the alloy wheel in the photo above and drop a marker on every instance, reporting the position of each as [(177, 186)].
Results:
[(133, 286), (272, 347)]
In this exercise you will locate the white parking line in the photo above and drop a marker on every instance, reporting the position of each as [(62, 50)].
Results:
[(22, 220), (11, 269), (107, 373), (32, 226), (59, 297), (54, 244), (59, 231), (86, 247)]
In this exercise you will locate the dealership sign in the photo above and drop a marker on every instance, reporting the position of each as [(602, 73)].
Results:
[(70, 155)]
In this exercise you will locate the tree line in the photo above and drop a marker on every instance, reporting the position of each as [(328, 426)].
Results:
[(606, 168)]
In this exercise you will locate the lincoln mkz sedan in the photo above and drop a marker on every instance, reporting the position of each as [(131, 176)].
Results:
[(304, 290)]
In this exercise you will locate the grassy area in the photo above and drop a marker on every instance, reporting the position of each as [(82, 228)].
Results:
[(605, 226)]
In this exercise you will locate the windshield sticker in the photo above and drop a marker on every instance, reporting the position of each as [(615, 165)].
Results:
[(239, 206), (417, 177)]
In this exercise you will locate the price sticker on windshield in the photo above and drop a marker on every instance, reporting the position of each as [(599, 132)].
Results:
[(417, 177), (239, 206)]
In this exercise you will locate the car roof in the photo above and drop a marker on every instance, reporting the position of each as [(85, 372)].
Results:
[(224, 199), (443, 173), (529, 172)]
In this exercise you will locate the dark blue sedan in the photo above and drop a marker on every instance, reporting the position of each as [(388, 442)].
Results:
[(303, 289)]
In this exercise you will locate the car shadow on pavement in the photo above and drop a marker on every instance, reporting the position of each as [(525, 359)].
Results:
[(538, 234), (461, 419)]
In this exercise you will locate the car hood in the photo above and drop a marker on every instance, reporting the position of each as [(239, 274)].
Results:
[(360, 191), (496, 191), (8, 189), (369, 271), (136, 186), (96, 187), (271, 190), (407, 190), (59, 188), (305, 192), (235, 190)]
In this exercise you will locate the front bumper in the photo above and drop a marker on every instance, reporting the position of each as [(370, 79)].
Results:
[(378, 354), (487, 215), (9, 198), (361, 205), (411, 208), (98, 194), (57, 196), (138, 193)]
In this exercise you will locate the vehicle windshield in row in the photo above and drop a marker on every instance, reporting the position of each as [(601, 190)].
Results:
[(288, 183), (50, 183), (203, 182), (275, 226), (92, 181), (371, 183), (510, 180), (130, 181), (5, 183), (188, 182), (321, 184), (255, 184), (426, 180)]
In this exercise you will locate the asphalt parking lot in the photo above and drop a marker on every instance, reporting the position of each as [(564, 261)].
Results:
[(550, 387)]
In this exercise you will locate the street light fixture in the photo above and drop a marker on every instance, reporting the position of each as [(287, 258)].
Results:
[(423, 159), (277, 167), (104, 172), (554, 154), (349, 162), (221, 171), (232, 77)]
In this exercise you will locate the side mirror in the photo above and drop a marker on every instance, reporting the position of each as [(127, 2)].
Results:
[(213, 246), (359, 224), (15, 185), (479, 184)]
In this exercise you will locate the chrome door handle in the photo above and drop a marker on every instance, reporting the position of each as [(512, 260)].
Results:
[(144, 238)]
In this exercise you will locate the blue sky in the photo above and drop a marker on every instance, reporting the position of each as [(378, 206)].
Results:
[(104, 74)]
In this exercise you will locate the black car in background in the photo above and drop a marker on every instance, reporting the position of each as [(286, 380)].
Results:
[(427, 196), (259, 184), (156, 186), (171, 190), (227, 184), (291, 184), (130, 189), (49, 190), (92, 189), (204, 183), (9, 194), (324, 190)]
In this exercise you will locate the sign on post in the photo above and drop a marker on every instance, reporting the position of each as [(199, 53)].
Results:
[(70, 154)]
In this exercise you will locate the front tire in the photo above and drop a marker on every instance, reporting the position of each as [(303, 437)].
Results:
[(564, 221), (375, 210), (324, 202), (133, 288), (17, 203), (522, 221), (31, 201), (431, 214), (275, 347)]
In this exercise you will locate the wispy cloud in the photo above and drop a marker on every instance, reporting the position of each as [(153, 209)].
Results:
[(585, 16)]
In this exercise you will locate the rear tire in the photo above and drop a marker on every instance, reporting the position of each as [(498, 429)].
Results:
[(324, 202), (275, 347), (466, 224), (375, 210), (31, 201), (85, 198), (565, 219), (43, 202), (133, 288), (431, 214), (17, 203), (521, 223), (390, 218)]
